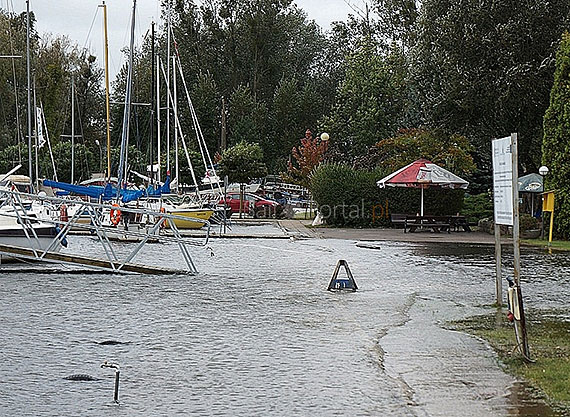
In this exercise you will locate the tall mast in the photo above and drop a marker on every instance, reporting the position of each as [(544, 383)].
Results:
[(175, 105), (36, 141), (127, 110), (223, 143), (107, 92), (72, 130), (168, 87), (158, 147), (152, 104), (29, 91)]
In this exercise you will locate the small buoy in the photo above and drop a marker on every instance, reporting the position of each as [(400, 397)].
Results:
[(342, 284)]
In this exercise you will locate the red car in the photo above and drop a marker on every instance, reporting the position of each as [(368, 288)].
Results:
[(253, 204)]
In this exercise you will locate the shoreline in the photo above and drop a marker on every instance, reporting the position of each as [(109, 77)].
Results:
[(303, 229)]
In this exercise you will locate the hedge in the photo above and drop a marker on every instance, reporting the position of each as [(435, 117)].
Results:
[(350, 197)]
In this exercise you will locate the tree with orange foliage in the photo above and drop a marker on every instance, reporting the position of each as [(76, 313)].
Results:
[(308, 155)]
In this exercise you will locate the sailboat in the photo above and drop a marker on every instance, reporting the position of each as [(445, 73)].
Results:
[(24, 223), (173, 204)]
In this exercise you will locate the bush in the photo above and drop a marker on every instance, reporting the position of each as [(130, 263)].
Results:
[(349, 197), (527, 222), (477, 207), (556, 141)]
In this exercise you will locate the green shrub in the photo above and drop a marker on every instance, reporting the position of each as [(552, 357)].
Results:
[(477, 207), (556, 141), (527, 222), (351, 198)]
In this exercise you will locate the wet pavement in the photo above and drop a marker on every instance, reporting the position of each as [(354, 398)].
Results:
[(256, 333)]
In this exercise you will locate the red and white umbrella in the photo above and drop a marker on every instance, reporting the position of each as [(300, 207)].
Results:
[(422, 174)]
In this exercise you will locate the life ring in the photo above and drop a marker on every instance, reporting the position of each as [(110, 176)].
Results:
[(115, 215), (163, 225), (63, 216)]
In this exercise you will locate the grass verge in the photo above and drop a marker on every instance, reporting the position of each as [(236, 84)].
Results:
[(549, 343), (556, 244)]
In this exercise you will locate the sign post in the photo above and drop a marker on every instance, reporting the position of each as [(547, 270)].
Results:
[(502, 201), (506, 210)]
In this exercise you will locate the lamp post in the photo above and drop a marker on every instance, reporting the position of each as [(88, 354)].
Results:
[(325, 139), (543, 172)]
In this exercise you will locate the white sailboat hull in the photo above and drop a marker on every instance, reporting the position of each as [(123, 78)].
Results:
[(14, 234)]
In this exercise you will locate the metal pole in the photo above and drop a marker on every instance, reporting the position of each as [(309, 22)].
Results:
[(36, 141), (116, 394), (516, 235), (127, 109), (223, 143), (498, 266), (72, 130), (517, 242), (551, 227), (542, 211), (152, 108), (168, 87), (108, 107), (29, 91), (158, 120), (497, 227), (175, 130)]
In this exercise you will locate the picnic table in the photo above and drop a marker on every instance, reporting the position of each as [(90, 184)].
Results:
[(435, 223)]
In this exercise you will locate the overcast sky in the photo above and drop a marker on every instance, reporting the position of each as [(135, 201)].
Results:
[(82, 20)]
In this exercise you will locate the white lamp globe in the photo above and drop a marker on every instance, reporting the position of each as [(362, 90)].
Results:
[(324, 136), (543, 170)]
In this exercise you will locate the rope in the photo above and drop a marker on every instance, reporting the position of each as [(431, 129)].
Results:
[(91, 28)]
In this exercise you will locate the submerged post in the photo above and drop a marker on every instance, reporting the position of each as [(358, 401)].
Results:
[(116, 394), (347, 284), (117, 373)]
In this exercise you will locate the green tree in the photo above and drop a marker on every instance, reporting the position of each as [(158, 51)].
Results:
[(408, 145), (369, 103), (246, 122), (397, 20), (54, 60), (11, 156), (243, 162), (556, 141), (261, 55), (484, 69), (85, 162), (183, 167)]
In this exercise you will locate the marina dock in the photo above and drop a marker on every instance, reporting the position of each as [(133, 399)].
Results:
[(89, 262)]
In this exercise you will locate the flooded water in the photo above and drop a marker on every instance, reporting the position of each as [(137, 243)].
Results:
[(256, 333)]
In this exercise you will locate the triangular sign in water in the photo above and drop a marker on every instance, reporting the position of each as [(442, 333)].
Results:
[(342, 284)]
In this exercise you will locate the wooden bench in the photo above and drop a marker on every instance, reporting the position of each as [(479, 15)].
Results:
[(435, 223), (398, 220), (460, 222)]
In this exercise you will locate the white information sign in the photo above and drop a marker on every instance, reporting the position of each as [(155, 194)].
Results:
[(503, 181)]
